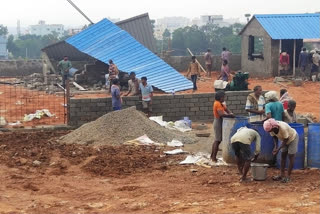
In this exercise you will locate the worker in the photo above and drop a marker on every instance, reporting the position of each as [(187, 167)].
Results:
[(116, 95), (133, 84), (147, 95), (284, 98), (315, 63), (289, 145), (303, 61), (284, 62), (220, 110), (113, 72), (225, 55), (225, 74), (255, 105), (64, 66), (241, 142), (208, 61), (274, 108), (289, 114), (194, 70)]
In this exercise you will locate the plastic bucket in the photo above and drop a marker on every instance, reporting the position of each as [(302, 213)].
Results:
[(259, 171)]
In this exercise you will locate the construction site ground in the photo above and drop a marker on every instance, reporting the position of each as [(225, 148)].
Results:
[(39, 175)]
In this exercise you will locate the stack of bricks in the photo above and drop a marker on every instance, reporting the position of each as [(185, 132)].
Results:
[(198, 107)]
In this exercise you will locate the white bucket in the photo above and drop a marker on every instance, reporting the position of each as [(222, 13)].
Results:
[(314, 78), (259, 171)]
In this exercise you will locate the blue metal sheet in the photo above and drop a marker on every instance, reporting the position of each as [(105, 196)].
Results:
[(105, 40), (291, 26)]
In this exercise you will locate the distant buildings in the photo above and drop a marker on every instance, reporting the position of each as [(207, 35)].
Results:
[(3, 48), (173, 23), (42, 29)]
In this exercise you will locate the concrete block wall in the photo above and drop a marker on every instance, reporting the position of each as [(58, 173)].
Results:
[(16, 68), (198, 107)]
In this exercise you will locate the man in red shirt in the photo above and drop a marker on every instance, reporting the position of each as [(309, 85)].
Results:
[(284, 62)]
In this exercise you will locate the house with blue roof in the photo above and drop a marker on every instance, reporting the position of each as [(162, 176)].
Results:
[(265, 36)]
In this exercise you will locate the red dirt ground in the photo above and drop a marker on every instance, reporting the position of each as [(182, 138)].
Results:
[(81, 179)]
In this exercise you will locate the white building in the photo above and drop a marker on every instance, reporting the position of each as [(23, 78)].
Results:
[(42, 29), (170, 23), (217, 20)]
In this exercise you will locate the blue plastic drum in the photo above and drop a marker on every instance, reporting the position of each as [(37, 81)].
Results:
[(313, 157)]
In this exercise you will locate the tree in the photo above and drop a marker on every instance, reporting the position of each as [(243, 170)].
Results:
[(166, 34), (3, 30)]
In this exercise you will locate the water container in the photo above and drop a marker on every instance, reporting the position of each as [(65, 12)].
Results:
[(313, 158), (229, 128), (267, 144), (300, 155)]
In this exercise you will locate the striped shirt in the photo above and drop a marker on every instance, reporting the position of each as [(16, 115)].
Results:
[(252, 116)]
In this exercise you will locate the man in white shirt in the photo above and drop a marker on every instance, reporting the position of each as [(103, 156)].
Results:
[(241, 142), (289, 145), (255, 105)]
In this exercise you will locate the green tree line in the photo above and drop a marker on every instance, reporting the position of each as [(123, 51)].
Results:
[(199, 39)]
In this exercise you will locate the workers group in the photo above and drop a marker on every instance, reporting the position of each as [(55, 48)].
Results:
[(275, 114)]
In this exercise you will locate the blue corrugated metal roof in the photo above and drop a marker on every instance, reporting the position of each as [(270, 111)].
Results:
[(106, 40), (291, 26)]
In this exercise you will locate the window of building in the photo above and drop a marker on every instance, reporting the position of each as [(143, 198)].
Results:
[(255, 47)]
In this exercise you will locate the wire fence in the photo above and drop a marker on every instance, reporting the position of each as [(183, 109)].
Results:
[(27, 101)]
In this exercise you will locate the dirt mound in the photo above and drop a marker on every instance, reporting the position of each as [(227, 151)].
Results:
[(114, 161), (120, 126)]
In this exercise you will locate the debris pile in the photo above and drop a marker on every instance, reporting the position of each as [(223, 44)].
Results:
[(121, 126)]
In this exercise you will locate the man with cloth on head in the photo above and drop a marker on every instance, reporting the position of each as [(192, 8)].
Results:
[(289, 145), (241, 142)]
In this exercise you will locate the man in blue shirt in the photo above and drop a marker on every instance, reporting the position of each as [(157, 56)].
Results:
[(116, 95), (147, 94), (274, 108)]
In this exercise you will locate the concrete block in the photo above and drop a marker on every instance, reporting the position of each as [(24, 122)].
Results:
[(180, 105), (130, 103), (101, 104), (236, 102), (199, 113), (189, 104), (204, 108), (190, 113), (203, 100), (85, 109), (194, 100), (73, 105), (184, 109), (180, 114), (194, 109), (156, 102), (188, 96), (165, 101), (231, 98), (75, 100), (85, 100)]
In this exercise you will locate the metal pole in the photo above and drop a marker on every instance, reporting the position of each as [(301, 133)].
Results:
[(68, 99), (280, 44), (78, 9), (294, 58)]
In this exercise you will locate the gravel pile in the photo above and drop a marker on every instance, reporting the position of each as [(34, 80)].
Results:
[(121, 126)]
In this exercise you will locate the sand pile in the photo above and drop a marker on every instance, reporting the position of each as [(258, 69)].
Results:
[(121, 126)]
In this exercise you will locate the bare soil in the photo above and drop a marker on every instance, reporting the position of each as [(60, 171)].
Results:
[(125, 179)]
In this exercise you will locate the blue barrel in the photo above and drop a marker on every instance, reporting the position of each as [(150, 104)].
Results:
[(267, 144), (300, 155), (229, 128), (313, 157)]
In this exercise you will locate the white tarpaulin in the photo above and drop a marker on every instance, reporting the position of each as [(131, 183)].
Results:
[(202, 159), (38, 115), (175, 143), (180, 125), (143, 140), (175, 152)]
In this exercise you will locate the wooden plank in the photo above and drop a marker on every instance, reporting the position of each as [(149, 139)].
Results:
[(197, 61), (79, 87)]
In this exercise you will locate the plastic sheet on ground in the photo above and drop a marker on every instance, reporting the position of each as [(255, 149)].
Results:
[(175, 152), (18, 123), (202, 159), (143, 141), (180, 125), (175, 143), (38, 115)]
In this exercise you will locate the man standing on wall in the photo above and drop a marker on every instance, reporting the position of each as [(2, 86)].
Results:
[(113, 73), (208, 61), (194, 70), (147, 94), (133, 84), (225, 55), (64, 66), (255, 105)]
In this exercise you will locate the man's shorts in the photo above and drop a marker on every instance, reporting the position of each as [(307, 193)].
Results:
[(147, 106), (242, 151), (292, 147)]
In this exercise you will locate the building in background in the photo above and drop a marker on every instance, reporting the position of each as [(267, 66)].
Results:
[(42, 29), (3, 48), (170, 23), (217, 20)]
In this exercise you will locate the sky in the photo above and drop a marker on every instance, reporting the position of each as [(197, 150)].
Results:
[(60, 11)]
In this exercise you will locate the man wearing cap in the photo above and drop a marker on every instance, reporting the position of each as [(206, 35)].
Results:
[(289, 145)]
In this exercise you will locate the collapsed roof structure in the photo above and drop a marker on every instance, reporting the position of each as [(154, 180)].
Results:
[(132, 51)]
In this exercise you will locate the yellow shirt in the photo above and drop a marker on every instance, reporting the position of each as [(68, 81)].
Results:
[(247, 136), (285, 132), (194, 69)]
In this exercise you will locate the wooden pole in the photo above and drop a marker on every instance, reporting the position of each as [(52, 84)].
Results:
[(280, 44), (197, 61), (294, 58)]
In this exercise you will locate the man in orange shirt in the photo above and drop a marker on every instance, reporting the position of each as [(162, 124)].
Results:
[(220, 110)]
